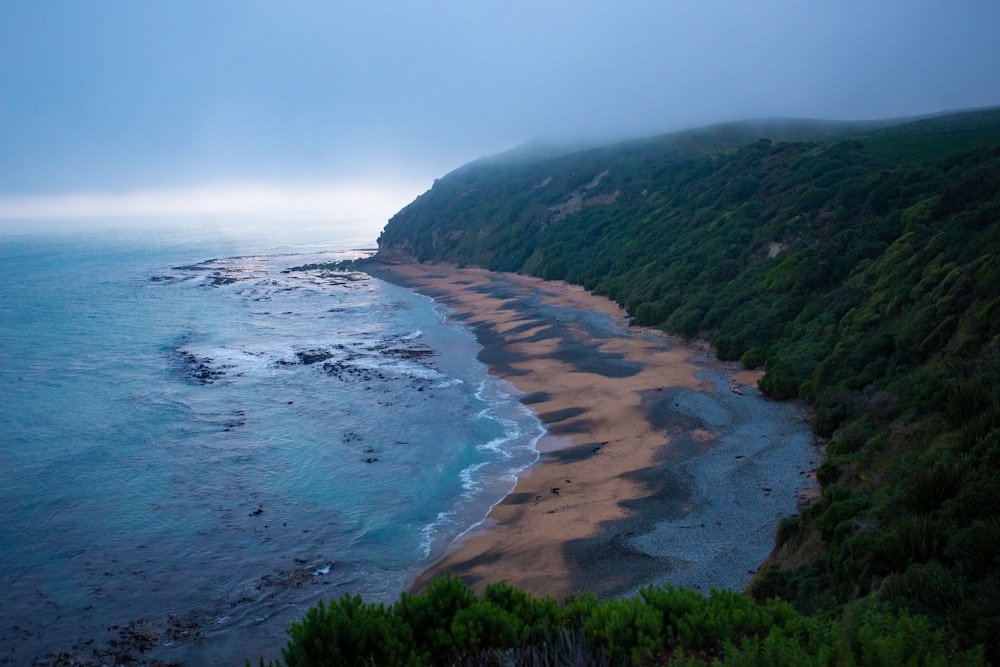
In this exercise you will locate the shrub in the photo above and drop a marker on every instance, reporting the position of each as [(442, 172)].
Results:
[(660, 626), (977, 549), (346, 632), (755, 357)]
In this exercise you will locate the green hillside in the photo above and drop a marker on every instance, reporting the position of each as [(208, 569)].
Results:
[(859, 265)]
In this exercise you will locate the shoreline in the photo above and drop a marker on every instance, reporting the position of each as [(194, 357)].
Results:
[(659, 464)]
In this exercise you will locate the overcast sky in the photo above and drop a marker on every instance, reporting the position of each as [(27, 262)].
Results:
[(106, 102)]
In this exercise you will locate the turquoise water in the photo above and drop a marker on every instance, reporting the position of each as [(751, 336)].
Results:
[(196, 445)]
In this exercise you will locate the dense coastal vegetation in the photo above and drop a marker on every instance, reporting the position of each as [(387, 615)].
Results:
[(859, 266), (450, 625)]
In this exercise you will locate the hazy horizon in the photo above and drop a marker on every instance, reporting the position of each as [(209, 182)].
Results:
[(352, 109)]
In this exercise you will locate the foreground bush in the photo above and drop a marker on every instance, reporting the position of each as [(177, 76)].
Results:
[(451, 625)]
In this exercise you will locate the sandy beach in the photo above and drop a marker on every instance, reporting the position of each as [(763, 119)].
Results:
[(660, 464)]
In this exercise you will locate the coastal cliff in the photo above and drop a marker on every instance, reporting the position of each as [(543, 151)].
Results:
[(857, 265)]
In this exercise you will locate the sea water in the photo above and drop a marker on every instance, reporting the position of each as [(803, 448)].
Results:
[(200, 439)]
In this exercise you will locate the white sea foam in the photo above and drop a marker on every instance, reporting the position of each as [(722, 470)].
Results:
[(468, 476), (495, 477)]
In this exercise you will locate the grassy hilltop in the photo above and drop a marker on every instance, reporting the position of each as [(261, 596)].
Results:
[(859, 266)]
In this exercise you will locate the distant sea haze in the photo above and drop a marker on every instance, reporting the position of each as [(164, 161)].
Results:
[(194, 451)]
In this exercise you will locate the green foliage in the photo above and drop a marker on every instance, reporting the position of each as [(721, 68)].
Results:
[(347, 632), (859, 267), (668, 625)]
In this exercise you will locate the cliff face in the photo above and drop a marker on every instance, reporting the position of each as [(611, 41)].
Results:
[(859, 266)]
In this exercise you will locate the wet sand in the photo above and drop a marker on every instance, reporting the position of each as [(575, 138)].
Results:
[(660, 464)]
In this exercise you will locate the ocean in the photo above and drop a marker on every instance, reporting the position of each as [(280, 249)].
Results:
[(200, 440)]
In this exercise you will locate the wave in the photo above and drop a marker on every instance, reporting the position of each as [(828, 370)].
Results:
[(381, 356), (487, 483)]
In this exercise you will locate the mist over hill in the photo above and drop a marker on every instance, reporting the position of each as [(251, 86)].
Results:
[(858, 264)]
